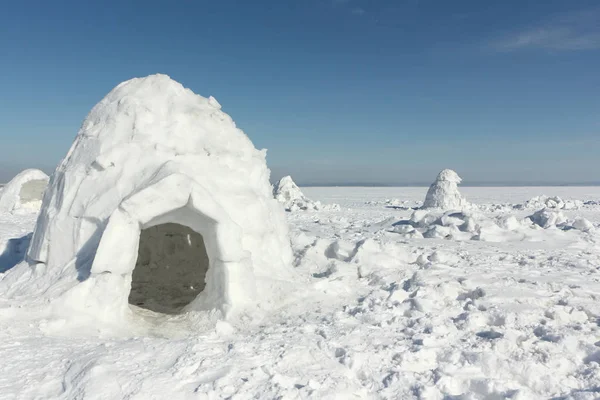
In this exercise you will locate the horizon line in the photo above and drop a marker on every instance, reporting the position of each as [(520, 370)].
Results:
[(468, 184)]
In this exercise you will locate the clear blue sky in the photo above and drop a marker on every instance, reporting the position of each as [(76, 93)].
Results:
[(338, 91)]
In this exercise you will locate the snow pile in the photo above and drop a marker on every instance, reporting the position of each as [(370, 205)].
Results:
[(154, 154), (472, 225), (552, 218), (556, 202), (443, 193), (289, 194), (24, 192), (456, 225), (548, 217)]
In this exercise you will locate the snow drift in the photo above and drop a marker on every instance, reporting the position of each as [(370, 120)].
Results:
[(443, 193), (24, 191), (159, 196)]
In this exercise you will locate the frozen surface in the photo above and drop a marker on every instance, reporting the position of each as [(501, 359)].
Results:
[(381, 315)]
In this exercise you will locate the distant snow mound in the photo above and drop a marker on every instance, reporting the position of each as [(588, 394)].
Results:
[(472, 225), (162, 203), (289, 194), (24, 192), (555, 202), (443, 193)]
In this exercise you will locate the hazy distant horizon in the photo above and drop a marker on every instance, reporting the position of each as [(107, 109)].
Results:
[(472, 184), (7, 173)]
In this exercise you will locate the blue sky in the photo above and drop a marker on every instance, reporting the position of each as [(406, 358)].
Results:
[(338, 91)]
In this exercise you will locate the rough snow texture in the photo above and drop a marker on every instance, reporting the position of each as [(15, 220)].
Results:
[(474, 225), (24, 192), (377, 316), (443, 193), (153, 152), (289, 194)]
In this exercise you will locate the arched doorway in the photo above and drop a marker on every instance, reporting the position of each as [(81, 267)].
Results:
[(170, 269)]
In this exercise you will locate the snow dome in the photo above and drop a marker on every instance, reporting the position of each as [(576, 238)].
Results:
[(162, 203), (24, 191), (443, 193)]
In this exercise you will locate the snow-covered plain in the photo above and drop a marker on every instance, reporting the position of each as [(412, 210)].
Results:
[(513, 313)]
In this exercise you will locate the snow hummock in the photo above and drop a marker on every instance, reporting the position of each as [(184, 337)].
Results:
[(24, 192), (153, 153), (443, 193), (289, 194)]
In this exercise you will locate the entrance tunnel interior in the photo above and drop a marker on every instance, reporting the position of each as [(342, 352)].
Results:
[(170, 270)]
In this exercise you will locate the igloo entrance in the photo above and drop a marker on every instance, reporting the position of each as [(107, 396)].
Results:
[(170, 269), (32, 191)]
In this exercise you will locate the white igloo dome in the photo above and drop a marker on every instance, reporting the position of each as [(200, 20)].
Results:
[(24, 191), (162, 203), (443, 193)]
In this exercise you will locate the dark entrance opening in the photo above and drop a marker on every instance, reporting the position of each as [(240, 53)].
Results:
[(170, 268), (32, 191)]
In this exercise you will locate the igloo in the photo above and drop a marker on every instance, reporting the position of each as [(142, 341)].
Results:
[(161, 203), (443, 193), (24, 191)]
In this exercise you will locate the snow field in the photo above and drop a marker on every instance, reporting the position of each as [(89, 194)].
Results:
[(380, 316)]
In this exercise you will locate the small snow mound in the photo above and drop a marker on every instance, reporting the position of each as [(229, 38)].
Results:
[(24, 192), (582, 224), (443, 193), (289, 194), (286, 190)]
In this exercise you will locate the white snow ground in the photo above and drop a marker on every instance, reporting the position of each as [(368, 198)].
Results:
[(384, 316)]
